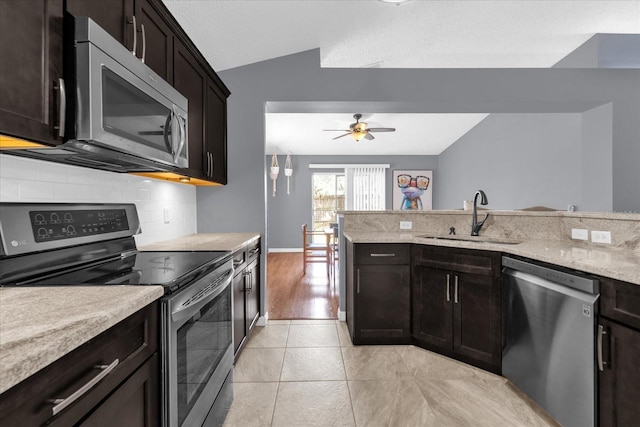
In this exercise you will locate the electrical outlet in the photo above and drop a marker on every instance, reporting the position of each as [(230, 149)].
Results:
[(601, 237), (579, 234), (167, 219), (406, 225)]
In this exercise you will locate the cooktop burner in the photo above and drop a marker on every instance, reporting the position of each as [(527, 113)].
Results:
[(169, 269)]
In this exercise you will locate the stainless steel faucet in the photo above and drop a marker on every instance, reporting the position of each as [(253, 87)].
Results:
[(475, 225)]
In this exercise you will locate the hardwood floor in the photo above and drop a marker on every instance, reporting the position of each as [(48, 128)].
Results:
[(292, 295)]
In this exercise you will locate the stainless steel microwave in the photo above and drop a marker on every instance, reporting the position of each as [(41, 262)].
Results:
[(121, 115)]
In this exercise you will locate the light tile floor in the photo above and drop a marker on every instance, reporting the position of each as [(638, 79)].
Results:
[(307, 373)]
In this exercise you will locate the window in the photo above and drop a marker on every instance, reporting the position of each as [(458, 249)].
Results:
[(366, 188)]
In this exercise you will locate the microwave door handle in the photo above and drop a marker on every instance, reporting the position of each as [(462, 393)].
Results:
[(168, 124), (182, 125)]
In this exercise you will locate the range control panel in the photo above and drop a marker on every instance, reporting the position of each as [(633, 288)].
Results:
[(35, 227), (65, 224)]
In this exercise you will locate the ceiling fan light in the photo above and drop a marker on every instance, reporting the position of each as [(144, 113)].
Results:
[(357, 136)]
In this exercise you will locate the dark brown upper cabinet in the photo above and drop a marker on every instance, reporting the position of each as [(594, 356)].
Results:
[(31, 40), (31, 79)]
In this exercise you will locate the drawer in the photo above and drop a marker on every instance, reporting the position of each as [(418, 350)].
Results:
[(239, 260), (381, 253), (131, 342), (620, 301), (253, 250), (462, 260)]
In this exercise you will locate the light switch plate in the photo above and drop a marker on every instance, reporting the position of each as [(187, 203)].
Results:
[(406, 225), (579, 234), (601, 236)]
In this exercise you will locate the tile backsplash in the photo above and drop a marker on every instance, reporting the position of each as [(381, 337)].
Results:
[(28, 180)]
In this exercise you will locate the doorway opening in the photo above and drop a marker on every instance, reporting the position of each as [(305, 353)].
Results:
[(329, 189)]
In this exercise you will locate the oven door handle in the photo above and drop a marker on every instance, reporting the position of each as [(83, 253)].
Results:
[(200, 299)]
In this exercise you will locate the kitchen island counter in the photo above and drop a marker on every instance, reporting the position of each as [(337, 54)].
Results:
[(39, 325), (613, 262), (204, 242)]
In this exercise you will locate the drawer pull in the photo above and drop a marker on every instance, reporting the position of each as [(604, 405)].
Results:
[(61, 404), (455, 290), (448, 287), (383, 255), (254, 251)]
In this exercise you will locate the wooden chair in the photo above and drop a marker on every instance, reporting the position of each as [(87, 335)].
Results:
[(316, 252)]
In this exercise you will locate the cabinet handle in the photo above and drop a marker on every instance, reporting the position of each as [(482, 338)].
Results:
[(455, 289), (383, 255), (61, 404), (135, 36), (601, 332), (62, 107), (254, 251), (237, 263), (144, 43), (448, 287), (358, 281), (251, 282), (212, 165)]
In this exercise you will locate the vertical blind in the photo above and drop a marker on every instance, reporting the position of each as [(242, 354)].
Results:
[(368, 188)]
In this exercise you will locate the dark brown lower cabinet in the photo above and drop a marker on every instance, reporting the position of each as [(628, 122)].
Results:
[(619, 390), (458, 314), (378, 293), (128, 395), (620, 377), (246, 293), (133, 404)]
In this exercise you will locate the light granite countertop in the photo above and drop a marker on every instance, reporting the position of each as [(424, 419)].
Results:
[(38, 325), (204, 242), (615, 263)]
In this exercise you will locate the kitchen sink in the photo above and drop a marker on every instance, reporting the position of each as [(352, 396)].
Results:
[(479, 239)]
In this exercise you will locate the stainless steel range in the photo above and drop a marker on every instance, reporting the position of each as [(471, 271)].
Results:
[(93, 244)]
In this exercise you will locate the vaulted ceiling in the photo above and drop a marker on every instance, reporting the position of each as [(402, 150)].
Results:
[(414, 34)]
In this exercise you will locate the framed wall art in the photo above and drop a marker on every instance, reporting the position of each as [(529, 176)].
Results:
[(412, 190)]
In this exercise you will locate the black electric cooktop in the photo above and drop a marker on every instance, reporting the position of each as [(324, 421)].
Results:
[(172, 270)]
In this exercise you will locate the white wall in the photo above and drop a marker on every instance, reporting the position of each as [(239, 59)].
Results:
[(27, 180)]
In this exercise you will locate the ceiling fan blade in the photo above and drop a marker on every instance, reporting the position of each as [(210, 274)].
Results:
[(336, 130), (341, 136), (369, 136), (381, 129)]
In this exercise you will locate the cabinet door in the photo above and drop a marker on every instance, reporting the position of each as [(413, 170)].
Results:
[(135, 403), (477, 317), (155, 40), (252, 295), (215, 166), (432, 306), (620, 379), (239, 324), (31, 52), (382, 303), (190, 80), (114, 16)]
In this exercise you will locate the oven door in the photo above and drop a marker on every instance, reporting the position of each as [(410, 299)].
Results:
[(197, 347)]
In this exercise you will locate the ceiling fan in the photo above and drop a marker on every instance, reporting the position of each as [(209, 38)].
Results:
[(359, 130)]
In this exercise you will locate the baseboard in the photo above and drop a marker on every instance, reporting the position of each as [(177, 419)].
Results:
[(263, 320), (273, 250), (342, 316)]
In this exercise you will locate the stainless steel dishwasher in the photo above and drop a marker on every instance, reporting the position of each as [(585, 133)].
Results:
[(549, 349)]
